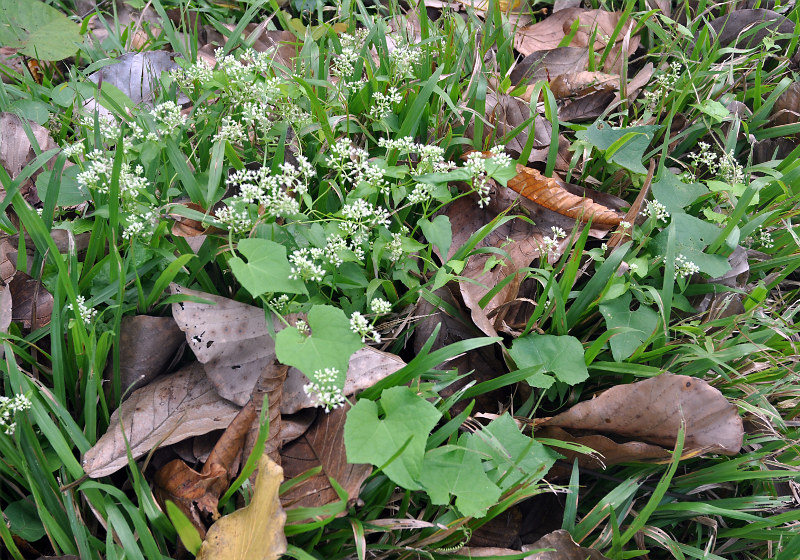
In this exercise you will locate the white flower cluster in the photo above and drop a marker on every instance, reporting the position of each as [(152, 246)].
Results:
[(8, 407), (360, 217), (192, 73), (403, 60), (107, 126), (343, 65), (431, 157), (363, 328), (303, 266), (663, 84), (657, 210), (550, 243), (140, 224), (685, 267), (763, 238), (230, 130), (280, 303), (97, 176), (168, 116), (86, 313), (236, 215), (395, 247), (72, 150), (324, 389), (476, 165), (380, 306), (382, 107), (724, 166)]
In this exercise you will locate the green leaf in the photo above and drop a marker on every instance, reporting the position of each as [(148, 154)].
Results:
[(439, 232), (24, 520), (673, 193), (626, 146), (561, 355), (714, 109), (69, 191), (330, 344), (37, 30), (692, 235), (266, 270), (513, 456), (642, 323), (455, 471), (407, 420)]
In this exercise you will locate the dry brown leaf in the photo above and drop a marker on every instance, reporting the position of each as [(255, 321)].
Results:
[(11, 61), (33, 304), (787, 107), (146, 347), (481, 551), (652, 410), (5, 312), (547, 192), (171, 409), (732, 28), (583, 83), (565, 548), (547, 64), (197, 493), (505, 113), (586, 108), (269, 385), (254, 532), (16, 151), (322, 445)]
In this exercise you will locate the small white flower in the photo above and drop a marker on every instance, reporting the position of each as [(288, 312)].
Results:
[(10, 406), (303, 327), (86, 313), (684, 267), (558, 233), (380, 306), (657, 210), (395, 247), (324, 389), (304, 267)]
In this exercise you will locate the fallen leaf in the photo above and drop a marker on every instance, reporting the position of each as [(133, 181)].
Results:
[(197, 493), (652, 410), (505, 113), (321, 446), (171, 409), (137, 75), (11, 61), (33, 304), (5, 312), (254, 532), (547, 64), (269, 385), (481, 551), (732, 29), (229, 338), (547, 192), (146, 347), (15, 147), (583, 83), (565, 548), (787, 107), (586, 108)]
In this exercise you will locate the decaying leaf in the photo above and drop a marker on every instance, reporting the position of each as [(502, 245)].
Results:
[(745, 28), (322, 445), (136, 75), (787, 107), (254, 532), (652, 410), (565, 548), (582, 83), (15, 147), (269, 385), (547, 64), (5, 312), (547, 192), (171, 409), (147, 345), (229, 338), (197, 493), (33, 304), (505, 113)]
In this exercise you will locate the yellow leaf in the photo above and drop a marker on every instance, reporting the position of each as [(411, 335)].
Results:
[(254, 532)]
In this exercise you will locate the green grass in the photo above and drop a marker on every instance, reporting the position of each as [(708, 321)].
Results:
[(734, 507)]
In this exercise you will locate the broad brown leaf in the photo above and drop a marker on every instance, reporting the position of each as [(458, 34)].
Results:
[(732, 29), (565, 548), (147, 345), (787, 107), (33, 304), (547, 192), (269, 385), (171, 409), (322, 445), (254, 532), (547, 64), (197, 493), (652, 410)]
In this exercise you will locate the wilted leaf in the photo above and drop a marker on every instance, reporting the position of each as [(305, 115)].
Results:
[(266, 270), (407, 420), (547, 192), (229, 338), (37, 30), (146, 346), (171, 409), (652, 410), (254, 532), (33, 304), (321, 446), (269, 385), (586, 108), (137, 75), (547, 64), (560, 355), (738, 28), (197, 493), (505, 113), (642, 322), (582, 83), (565, 548)]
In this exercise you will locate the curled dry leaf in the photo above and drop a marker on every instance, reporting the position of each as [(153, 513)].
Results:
[(254, 532), (197, 493), (33, 304), (171, 409), (565, 548), (652, 410), (505, 113), (269, 385), (147, 345), (322, 445)]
